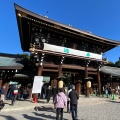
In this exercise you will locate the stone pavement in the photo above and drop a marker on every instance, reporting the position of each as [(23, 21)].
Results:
[(92, 108), (28, 104), (24, 105)]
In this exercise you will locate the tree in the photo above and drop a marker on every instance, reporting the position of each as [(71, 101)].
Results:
[(117, 64), (111, 64), (26, 61)]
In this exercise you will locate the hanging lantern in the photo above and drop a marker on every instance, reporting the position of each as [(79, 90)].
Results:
[(60, 84), (88, 84)]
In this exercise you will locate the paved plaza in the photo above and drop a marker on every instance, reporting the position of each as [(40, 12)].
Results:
[(92, 108)]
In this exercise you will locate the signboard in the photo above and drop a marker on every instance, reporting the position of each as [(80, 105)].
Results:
[(70, 51), (37, 84), (13, 83)]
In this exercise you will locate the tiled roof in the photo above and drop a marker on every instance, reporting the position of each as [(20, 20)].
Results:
[(114, 71), (10, 62)]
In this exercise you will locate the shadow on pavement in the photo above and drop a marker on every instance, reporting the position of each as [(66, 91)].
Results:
[(8, 117), (47, 117), (2, 105), (31, 118), (46, 109), (7, 103), (42, 108), (114, 101)]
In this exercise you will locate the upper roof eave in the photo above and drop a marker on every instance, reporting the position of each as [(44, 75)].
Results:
[(21, 9)]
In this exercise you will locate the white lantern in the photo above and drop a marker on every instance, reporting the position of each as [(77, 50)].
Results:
[(88, 84), (60, 84)]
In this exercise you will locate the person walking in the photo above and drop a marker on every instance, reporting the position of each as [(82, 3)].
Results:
[(48, 94), (73, 95), (109, 91), (54, 92), (44, 90), (25, 93), (2, 97), (15, 93), (60, 102), (68, 99)]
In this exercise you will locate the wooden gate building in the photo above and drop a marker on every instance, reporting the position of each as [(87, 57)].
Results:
[(58, 49)]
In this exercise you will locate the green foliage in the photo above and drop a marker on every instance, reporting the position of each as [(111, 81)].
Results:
[(26, 61), (117, 64), (25, 56), (111, 64), (68, 79)]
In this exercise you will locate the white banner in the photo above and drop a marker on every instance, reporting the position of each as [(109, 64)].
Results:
[(37, 84), (71, 51)]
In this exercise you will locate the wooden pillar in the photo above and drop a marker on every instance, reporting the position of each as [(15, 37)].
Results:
[(6, 83), (78, 87), (0, 84), (86, 75), (99, 82), (74, 46), (60, 70), (7, 87), (30, 92), (86, 71), (40, 68), (111, 81), (59, 82), (53, 82)]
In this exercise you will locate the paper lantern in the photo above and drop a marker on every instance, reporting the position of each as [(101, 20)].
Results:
[(88, 84), (60, 84)]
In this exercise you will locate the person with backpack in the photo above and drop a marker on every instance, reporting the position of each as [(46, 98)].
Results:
[(60, 102), (73, 95)]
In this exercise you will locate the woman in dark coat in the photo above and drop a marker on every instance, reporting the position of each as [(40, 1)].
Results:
[(48, 94), (54, 92)]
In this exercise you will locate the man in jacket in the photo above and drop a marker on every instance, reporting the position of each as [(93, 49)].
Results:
[(73, 95)]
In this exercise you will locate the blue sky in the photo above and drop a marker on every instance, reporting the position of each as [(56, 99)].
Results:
[(101, 17)]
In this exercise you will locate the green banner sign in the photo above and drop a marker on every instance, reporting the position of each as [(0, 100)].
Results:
[(66, 50)]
